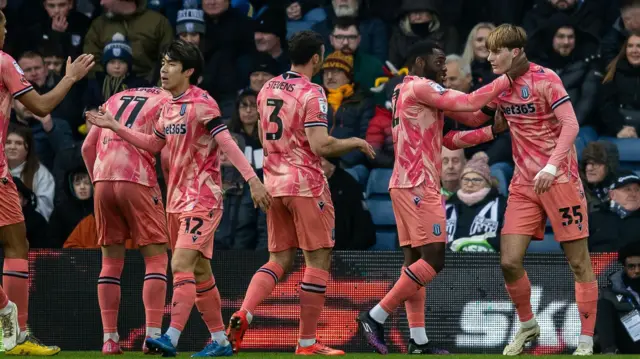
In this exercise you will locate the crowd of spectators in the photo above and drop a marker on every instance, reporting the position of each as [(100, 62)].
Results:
[(593, 45)]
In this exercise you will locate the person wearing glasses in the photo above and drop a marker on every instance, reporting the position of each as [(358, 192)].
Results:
[(619, 305), (475, 212)]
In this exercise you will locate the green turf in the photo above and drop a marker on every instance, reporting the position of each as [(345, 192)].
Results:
[(354, 356)]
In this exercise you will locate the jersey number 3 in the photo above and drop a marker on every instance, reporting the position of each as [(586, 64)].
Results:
[(126, 101), (277, 104)]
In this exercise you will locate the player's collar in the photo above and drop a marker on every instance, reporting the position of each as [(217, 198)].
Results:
[(292, 75), (176, 98)]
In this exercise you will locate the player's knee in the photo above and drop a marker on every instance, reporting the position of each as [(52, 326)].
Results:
[(578, 266), (510, 265), (181, 265)]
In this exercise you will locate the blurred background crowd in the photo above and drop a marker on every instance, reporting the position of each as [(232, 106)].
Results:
[(593, 45)]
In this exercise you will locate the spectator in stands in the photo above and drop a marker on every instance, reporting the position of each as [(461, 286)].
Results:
[(585, 14), (458, 74), (453, 162), (54, 57), (227, 29), (475, 212), (619, 300), (78, 205), (64, 26), (270, 39), (628, 23), (616, 223), (373, 32), (350, 105), (598, 166), (476, 53), (117, 60), (242, 225), (37, 226), (354, 229), (380, 137), (48, 133), (70, 109), (148, 32), (191, 27), (24, 164), (573, 55), (302, 15), (346, 39), (419, 20), (620, 104), (263, 69)]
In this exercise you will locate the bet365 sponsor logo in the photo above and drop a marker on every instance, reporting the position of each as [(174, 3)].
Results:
[(490, 324)]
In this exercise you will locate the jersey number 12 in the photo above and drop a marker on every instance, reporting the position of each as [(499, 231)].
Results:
[(126, 101)]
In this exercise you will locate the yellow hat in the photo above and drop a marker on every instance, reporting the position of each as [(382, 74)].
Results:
[(340, 61)]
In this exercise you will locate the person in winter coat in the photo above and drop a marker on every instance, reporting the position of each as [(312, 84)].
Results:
[(619, 101), (628, 23), (573, 54), (616, 223), (302, 15), (598, 167), (350, 106), (475, 213), (24, 164), (585, 14), (354, 229), (476, 53), (36, 224), (373, 32), (618, 300), (419, 20), (68, 214), (147, 31)]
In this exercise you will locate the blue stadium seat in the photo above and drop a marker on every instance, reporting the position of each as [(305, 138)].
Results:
[(385, 241), (353, 173), (363, 174), (378, 183), (548, 244), (588, 134), (629, 149), (381, 212), (502, 171)]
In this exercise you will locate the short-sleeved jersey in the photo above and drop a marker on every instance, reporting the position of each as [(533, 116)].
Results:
[(12, 85), (288, 104), (117, 159), (189, 124), (417, 135), (528, 107)]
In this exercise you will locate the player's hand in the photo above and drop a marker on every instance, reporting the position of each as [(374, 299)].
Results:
[(261, 198), (79, 68), (543, 180), (500, 123), (59, 23), (103, 119), (519, 66), (366, 148)]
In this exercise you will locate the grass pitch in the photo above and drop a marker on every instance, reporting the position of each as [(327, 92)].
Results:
[(96, 354)]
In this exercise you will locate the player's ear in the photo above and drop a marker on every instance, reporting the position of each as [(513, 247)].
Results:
[(189, 72), (515, 52)]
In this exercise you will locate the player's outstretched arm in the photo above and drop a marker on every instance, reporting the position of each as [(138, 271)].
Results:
[(42, 105), (152, 143), (471, 119), (261, 198), (89, 149), (455, 140), (326, 146), (434, 95)]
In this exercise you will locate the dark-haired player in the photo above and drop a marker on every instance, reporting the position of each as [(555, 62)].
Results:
[(191, 128), (15, 271), (419, 103), (293, 131)]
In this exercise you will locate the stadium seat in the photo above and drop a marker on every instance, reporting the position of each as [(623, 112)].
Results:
[(502, 171), (587, 134), (385, 241), (378, 183), (363, 174), (353, 173), (548, 244), (381, 212), (629, 149)]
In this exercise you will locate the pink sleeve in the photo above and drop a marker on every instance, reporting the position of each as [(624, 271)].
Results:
[(235, 156), (455, 140), (89, 149), (316, 109), (567, 117), (432, 94), (152, 143), (471, 119), (13, 77), (554, 92)]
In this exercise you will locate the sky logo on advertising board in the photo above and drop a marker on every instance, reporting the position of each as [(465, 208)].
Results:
[(559, 323)]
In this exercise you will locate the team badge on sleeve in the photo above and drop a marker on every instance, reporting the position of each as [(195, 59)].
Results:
[(437, 87), (18, 68), (323, 105)]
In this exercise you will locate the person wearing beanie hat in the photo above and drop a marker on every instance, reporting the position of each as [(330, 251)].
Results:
[(475, 212), (190, 25), (263, 69), (598, 165), (270, 35), (337, 77)]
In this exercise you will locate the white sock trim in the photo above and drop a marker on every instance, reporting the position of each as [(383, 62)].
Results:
[(529, 323), (174, 335), (419, 335), (306, 342), (378, 314)]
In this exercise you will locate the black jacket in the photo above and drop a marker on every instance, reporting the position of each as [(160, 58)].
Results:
[(620, 99), (608, 232), (616, 300), (232, 31), (354, 228), (612, 41), (71, 40), (68, 212), (486, 216), (586, 15)]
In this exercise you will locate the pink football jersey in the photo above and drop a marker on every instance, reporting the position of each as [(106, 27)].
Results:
[(287, 105), (117, 159), (188, 124), (528, 107), (13, 85)]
